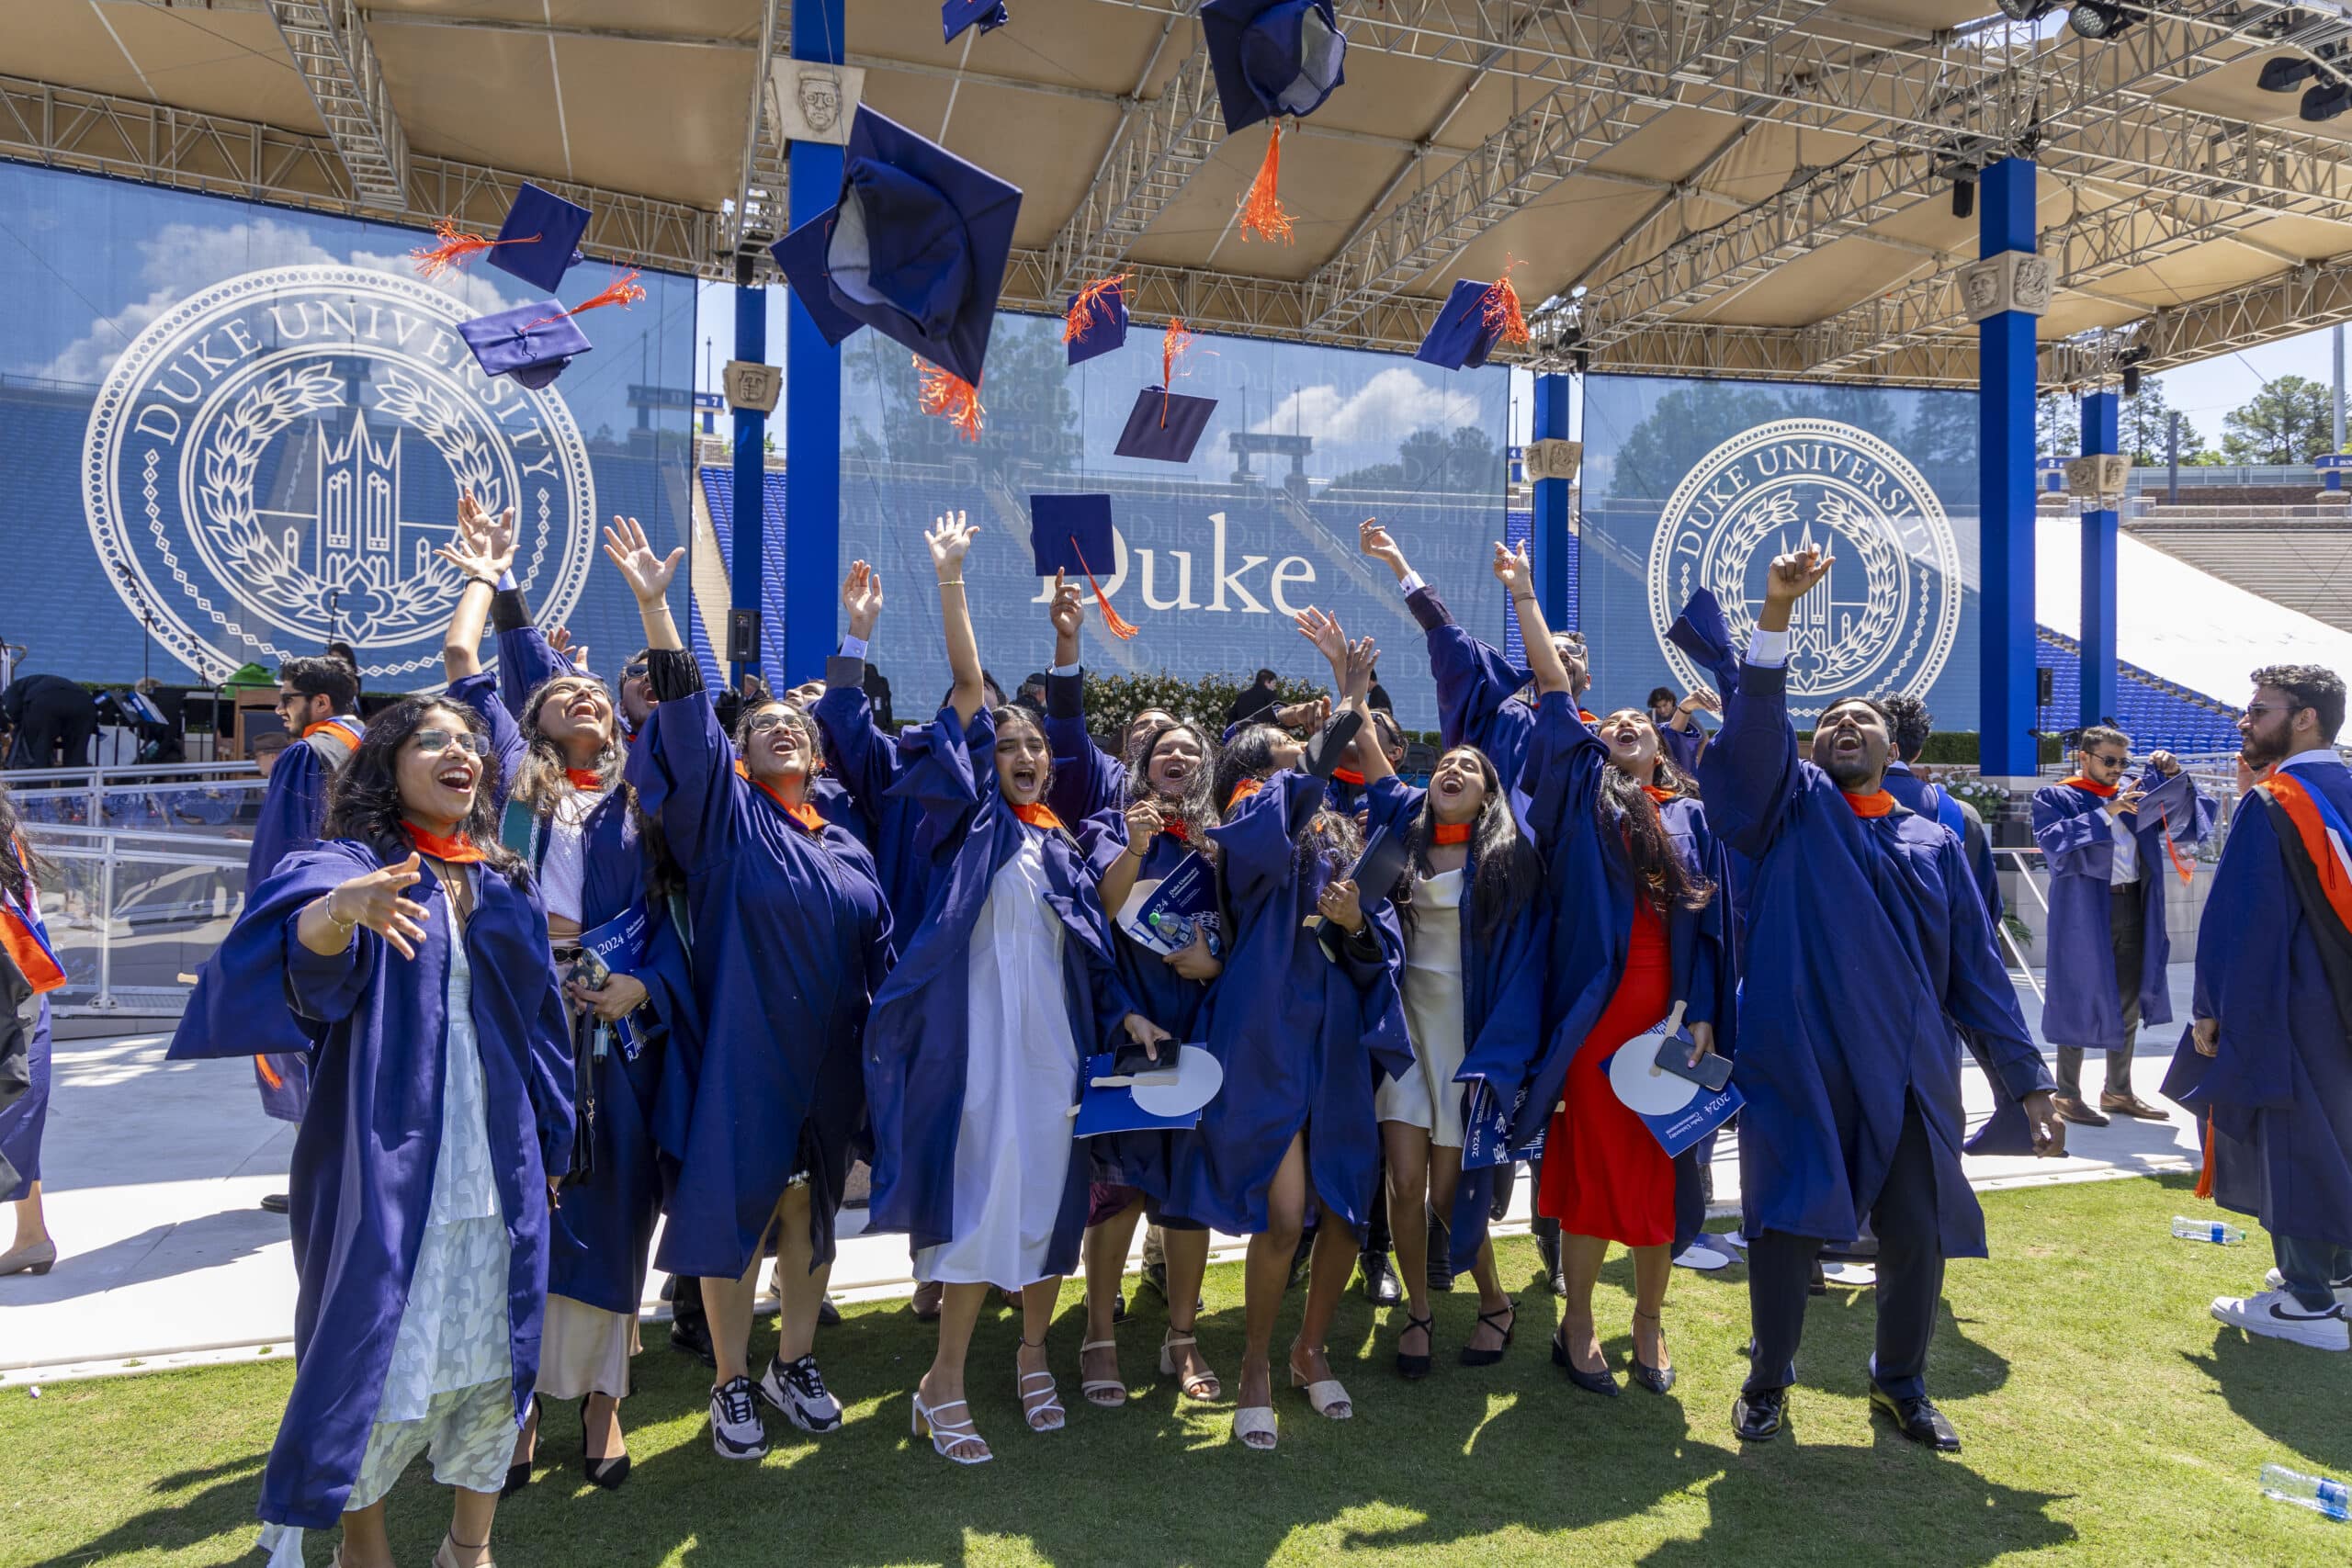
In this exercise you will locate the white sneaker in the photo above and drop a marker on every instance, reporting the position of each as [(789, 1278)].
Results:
[(798, 1390), (2281, 1317), (2275, 1281), (735, 1429), (1701, 1257)]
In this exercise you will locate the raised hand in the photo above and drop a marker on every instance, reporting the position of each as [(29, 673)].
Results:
[(484, 545), (1324, 632), (2164, 762), (573, 653), (1791, 576), (1312, 714), (949, 538), (1703, 697), (1513, 570), (375, 899), (1355, 679), (1373, 540), (1340, 905), (647, 574), (1065, 610), (862, 598)]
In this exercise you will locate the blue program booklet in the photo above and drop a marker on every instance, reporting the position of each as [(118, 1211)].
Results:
[(1186, 897), (618, 946), (1114, 1108)]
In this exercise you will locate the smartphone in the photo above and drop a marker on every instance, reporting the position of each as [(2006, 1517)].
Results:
[(1712, 1073)]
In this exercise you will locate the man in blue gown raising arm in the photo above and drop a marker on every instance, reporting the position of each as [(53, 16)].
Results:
[(1868, 946)]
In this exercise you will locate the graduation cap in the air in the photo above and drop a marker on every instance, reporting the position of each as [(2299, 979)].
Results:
[(916, 247), (533, 342), (957, 14), (1096, 320), (1476, 317), (1164, 425), (801, 254), (1072, 533), (1271, 56), (538, 243)]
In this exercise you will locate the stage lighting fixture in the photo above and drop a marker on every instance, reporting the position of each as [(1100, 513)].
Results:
[(1963, 199), (2099, 22), (2285, 73), (2326, 101), (2027, 10)]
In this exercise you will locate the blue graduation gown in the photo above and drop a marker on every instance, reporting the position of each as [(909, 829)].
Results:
[(1161, 995), (1867, 944), (2276, 1094), (363, 1167), (1503, 1001), (866, 762), (1086, 779), (790, 937), (293, 809), (2071, 826), (1681, 747), (1477, 690), (1299, 1036), (1939, 805), (920, 1036)]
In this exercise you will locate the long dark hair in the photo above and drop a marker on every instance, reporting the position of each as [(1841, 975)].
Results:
[(1330, 835), (1013, 713), (17, 875), (1506, 873), (1630, 818), (1197, 808), (364, 802), (541, 779)]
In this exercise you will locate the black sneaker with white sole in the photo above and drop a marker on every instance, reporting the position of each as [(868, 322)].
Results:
[(735, 1429), (798, 1390)]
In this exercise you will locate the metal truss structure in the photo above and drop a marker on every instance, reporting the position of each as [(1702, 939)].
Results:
[(761, 213), (329, 45)]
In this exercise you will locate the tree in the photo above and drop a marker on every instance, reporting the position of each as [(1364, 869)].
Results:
[(2143, 425), (1684, 426), (2057, 427), (1028, 414), (1462, 461), (2290, 421)]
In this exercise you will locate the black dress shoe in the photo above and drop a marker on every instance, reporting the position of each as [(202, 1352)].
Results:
[(1380, 1286), (1917, 1419), (1758, 1415), (1119, 1307), (607, 1474), (276, 1202), (1475, 1358), (828, 1314), (1547, 1248), (1820, 1284), (1650, 1377), (1412, 1369), (1602, 1382)]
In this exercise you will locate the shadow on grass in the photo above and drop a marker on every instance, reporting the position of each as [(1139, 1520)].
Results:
[(2271, 1386)]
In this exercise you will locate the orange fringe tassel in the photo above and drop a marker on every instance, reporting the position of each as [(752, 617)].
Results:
[(1504, 317), (456, 245), (1115, 624), (1261, 209), (950, 398), (1088, 306), (1173, 344), (624, 291), (2205, 1169)]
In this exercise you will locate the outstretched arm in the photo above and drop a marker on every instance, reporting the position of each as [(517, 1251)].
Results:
[(483, 550), (648, 575), (949, 538), (1517, 574)]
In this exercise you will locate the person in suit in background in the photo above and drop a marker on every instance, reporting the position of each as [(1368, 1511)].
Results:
[(54, 721), (1253, 701)]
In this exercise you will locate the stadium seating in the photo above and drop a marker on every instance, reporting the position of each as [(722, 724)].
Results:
[(2154, 711)]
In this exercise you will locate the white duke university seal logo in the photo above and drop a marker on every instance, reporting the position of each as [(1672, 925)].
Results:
[(272, 461), (1885, 618)]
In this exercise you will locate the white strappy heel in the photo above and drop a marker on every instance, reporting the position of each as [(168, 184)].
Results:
[(950, 1439), (1204, 1388), (1090, 1388), (1048, 1416)]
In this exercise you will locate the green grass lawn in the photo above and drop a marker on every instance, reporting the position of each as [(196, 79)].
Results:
[(2106, 1419)]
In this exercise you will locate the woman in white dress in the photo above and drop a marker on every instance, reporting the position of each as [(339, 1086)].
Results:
[(976, 1053)]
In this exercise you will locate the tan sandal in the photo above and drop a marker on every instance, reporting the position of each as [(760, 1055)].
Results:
[(1203, 1387), (1103, 1394), (446, 1557)]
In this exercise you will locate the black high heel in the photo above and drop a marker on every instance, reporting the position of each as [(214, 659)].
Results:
[(1414, 1368), (1471, 1358), (1602, 1382), (607, 1474), (1651, 1378), (519, 1475)]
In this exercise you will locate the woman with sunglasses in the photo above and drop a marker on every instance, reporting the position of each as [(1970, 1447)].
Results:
[(981, 1034), (414, 946), (563, 810), (1637, 927), (791, 936)]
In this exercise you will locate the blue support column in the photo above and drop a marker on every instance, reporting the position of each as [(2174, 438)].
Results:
[(2006, 371), (812, 386), (2098, 573), (743, 573), (1553, 540)]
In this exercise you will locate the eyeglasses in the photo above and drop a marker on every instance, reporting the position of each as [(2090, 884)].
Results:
[(637, 671), (582, 689), (2255, 710), (432, 741), (761, 723), (2108, 762)]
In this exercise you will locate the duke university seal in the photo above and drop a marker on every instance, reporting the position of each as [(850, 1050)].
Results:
[(1883, 620), (272, 462)]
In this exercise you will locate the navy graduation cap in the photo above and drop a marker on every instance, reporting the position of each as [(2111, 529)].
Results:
[(1271, 56), (1095, 321), (957, 14), (1072, 533), (1465, 332), (1164, 426), (531, 342), (916, 247), (540, 239), (801, 254)]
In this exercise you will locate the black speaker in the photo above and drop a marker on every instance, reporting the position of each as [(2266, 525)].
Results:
[(2131, 380), (1963, 199), (742, 637), (2045, 686)]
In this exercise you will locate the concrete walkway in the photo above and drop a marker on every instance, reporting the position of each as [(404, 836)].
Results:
[(155, 1173)]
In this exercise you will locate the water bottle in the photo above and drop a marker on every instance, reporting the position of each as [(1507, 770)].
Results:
[(2316, 1493), (2219, 1233)]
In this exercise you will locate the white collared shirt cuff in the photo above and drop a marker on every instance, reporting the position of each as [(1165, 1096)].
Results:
[(1065, 670), (853, 648), (1410, 583), (1768, 649)]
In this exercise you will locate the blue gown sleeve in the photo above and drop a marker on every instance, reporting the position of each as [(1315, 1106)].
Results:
[(1751, 772), (1475, 685), (1978, 992), (321, 987), (550, 1085), (293, 805), (2074, 838), (2244, 940), (1086, 778), (480, 692), (1257, 840), (1981, 865), (525, 659), (1564, 759), (949, 772), (866, 761), (683, 769)]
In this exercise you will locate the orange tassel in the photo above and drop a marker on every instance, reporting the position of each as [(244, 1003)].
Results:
[(1088, 306), (1261, 209), (623, 291), (1115, 624), (1173, 344), (1504, 317), (454, 247), (950, 398), (2205, 1167)]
